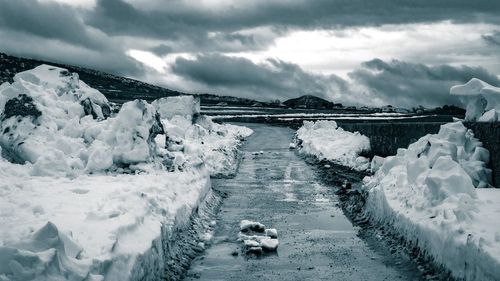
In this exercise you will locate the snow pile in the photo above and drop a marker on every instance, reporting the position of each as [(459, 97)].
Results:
[(184, 106), (215, 144), (432, 194), (89, 196), (51, 119), (253, 240), (325, 140), (482, 100)]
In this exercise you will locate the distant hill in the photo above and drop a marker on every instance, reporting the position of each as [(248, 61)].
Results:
[(115, 88), (311, 102)]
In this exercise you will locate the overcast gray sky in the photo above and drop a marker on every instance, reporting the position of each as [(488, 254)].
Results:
[(368, 52)]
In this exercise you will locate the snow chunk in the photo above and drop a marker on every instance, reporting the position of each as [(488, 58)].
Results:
[(271, 232), (247, 225), (325, 140), (269, 244), (481, 99)]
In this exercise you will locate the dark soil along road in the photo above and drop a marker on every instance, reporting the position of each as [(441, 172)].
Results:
[(317, 242)]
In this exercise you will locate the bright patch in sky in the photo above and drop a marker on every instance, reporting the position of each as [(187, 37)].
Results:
[(339, 52), (148, 59)]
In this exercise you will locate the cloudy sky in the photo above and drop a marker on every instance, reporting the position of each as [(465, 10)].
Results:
[(366, 52)]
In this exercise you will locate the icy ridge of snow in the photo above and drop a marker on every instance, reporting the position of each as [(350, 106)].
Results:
[(215, 144), (481, 99), (325, 140), (94, 196), (434, 195)]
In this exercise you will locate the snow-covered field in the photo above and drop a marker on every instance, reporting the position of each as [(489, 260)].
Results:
[(325, 140), (89, 196)]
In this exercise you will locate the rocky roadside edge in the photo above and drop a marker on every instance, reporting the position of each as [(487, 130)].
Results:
[(348, 185), (185, 241)]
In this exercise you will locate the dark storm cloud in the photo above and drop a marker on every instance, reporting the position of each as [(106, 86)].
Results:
[(493, 38), (375, 83), (55, 32), (161, 50), (46, 20), (177, 19), (61, 52), (409, 84), (270, 80)]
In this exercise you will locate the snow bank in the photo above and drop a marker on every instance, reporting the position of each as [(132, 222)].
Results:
[(93, 227), (89, 196), (432, 194), (184, 106), (215, 144), (325, 140), (56, 122), (482, 100)]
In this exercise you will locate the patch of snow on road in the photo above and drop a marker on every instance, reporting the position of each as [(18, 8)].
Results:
[(434, 194), (325, 140)]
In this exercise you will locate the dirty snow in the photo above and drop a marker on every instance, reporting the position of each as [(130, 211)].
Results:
[(257, 238), (482, 100), (325, 140), (435, 195), (89, 196)]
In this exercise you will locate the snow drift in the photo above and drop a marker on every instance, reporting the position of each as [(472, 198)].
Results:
[(89, 196), (482, 100), (325, 140), (433, 194)]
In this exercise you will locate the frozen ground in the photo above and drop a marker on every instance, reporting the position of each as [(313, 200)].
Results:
[(325, 140), (89, 196)]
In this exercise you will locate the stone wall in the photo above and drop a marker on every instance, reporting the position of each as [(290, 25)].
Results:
[(489, 135), (386, 138)]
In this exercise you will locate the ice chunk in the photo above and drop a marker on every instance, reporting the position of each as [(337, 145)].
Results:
[(269, 244), (251, 243), (271, 232), (255, 250), (246, 225)]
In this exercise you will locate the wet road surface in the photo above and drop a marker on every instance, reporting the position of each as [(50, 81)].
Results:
[(317, 242)]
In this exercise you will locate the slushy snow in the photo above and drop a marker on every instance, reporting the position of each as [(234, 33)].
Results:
[(482, 100), (435, 195), (325, 140), (85, 195)]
